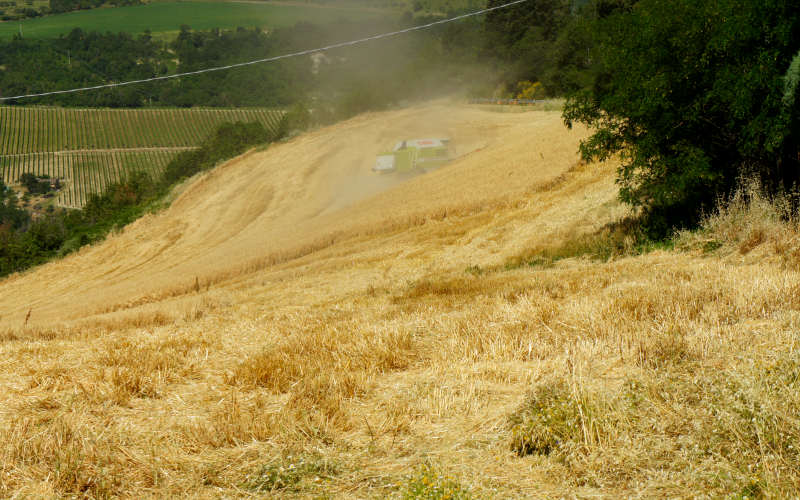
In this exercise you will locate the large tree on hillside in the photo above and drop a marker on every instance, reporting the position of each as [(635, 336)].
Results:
[(692, 94)]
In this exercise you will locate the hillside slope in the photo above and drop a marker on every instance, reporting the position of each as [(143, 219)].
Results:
[(293, 196), (294, 326)]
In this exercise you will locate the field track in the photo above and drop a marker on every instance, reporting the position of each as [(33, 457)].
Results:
[(90, 148)]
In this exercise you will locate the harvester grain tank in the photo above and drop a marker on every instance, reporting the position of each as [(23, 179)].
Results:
[(414, 155)]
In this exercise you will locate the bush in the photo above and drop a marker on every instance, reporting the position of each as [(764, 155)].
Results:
[(298, 117), (33, 184)]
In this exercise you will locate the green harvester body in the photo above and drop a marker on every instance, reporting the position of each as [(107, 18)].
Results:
[(417, 155)]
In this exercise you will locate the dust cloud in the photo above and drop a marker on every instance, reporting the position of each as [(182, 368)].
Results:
[(360, 182)]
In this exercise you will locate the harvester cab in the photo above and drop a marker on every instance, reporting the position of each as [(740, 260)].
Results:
[(416, 155)]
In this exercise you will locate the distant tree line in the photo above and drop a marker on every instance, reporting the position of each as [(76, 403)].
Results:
[(542, 41), (85, 59), (541, 47), (60, 6), (13, 11)]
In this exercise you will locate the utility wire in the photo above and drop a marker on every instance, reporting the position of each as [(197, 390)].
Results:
[(269, 59)]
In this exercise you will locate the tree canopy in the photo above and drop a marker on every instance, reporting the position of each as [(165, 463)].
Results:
[(692, 94)]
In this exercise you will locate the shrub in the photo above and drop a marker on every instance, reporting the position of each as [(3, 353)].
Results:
[(745, 220), (33, 184), (229, 140)]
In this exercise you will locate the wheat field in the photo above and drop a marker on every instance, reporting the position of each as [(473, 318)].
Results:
[(293, 326)]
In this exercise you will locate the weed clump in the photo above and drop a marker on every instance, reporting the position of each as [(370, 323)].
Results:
[(429, 484), (550, 417), (289, 476), (747, 220)]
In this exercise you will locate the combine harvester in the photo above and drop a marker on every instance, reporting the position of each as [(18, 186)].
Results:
[(413, 156)]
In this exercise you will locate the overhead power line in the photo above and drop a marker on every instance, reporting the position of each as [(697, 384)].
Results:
[(269, 59)]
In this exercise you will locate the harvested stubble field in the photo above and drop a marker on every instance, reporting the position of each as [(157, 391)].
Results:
[(293, 326)]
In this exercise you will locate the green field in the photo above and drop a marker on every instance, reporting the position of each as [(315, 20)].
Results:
[(90, 148), (167, 17)]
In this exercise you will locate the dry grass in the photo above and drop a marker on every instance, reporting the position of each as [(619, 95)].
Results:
[(750, 220), (445, 339)]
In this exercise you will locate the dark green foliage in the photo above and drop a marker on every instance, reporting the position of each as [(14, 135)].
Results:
[(542, 40), (535, 18), (82, 59), (11, 215), (60, 6), (36, 186), (274, 84), (25, 243), (335, 85), (691, 94), (344, 82), (85, 59), (229, 140)]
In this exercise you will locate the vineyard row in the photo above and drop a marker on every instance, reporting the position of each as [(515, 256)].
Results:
[(84, 172), (25, 130)]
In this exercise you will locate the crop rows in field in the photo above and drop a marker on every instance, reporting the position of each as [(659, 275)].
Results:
[(87, 149), (164, 19), (35, 130), (84, 172)]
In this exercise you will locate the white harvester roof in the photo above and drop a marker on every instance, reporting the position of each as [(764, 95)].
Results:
[(421, 143)]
